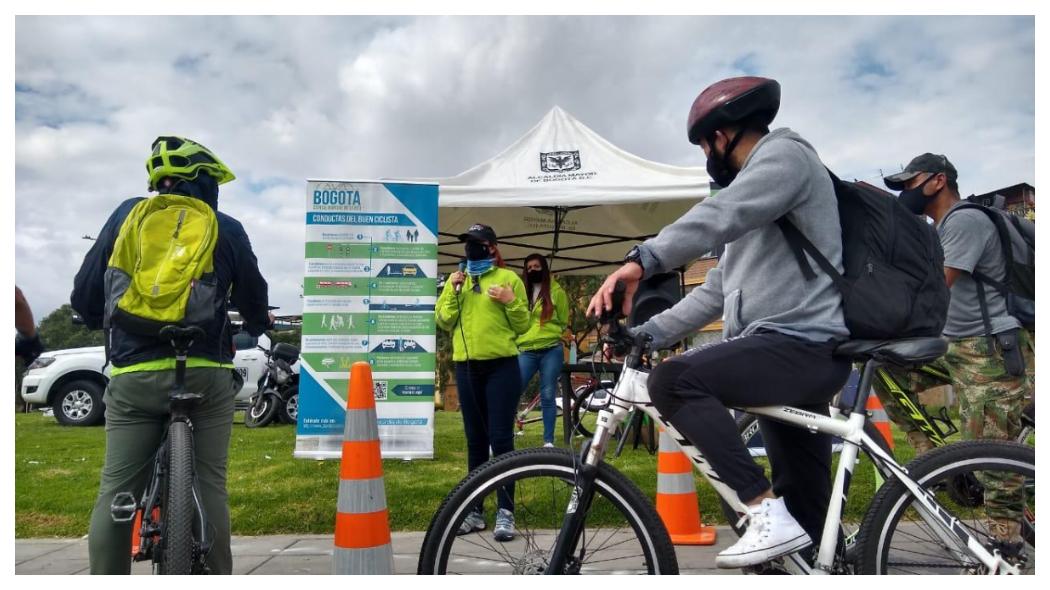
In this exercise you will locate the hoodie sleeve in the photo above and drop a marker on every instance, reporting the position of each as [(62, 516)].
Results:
[(771, 184), (250, 292), (89, 296), (699, 308)]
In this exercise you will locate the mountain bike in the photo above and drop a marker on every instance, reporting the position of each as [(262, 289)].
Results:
[(170, 524), (577, 514)]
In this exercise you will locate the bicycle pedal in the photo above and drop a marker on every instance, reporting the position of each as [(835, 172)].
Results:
[(123, 507)]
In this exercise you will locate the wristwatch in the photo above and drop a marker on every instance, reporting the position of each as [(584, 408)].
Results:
[(634, 255)]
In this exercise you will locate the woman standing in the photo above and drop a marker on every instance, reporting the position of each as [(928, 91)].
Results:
[(484, 309), (540, 349)]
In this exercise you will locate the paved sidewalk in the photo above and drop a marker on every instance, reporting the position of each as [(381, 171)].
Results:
[(296, 554)]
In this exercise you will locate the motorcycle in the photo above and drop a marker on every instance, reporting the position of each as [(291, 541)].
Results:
[(278, 394)]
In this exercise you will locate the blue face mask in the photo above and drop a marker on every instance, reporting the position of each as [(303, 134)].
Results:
[(477, 267)]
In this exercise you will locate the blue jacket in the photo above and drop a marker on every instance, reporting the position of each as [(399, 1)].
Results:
[(236, 270)]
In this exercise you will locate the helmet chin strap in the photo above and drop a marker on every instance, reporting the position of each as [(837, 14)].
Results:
[(730, 147)]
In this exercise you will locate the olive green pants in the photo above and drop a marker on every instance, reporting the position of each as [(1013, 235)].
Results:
[(136, 417)]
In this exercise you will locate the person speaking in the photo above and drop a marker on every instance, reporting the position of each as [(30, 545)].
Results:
[(483, 307)]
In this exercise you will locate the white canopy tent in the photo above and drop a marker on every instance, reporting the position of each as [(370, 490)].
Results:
[(564, 191)]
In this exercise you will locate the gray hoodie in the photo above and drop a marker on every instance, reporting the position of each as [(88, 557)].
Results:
[(757, 284)]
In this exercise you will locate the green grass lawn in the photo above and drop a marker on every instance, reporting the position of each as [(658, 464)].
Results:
[(57, 470)]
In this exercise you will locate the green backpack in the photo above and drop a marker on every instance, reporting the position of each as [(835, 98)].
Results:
[(161, 270)]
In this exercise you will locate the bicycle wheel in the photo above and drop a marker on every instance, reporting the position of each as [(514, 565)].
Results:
[(747, 426), (587, 401), (622, 533), (895, 539), (178, 507)]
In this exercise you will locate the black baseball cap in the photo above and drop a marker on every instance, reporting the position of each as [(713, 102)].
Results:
[(935, 163), (479, 232)]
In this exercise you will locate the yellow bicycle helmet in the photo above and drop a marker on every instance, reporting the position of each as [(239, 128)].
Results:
[(183, 158)]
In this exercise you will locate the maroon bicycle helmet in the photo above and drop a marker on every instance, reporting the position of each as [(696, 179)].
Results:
[(730, 101)]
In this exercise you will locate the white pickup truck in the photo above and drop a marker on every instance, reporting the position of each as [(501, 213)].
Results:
[(72, 381)]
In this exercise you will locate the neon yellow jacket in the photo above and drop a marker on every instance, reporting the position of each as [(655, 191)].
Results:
[(549, 334), (488, 327)]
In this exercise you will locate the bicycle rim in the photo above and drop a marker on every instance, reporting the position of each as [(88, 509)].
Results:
[(623, 533), (902, 542)]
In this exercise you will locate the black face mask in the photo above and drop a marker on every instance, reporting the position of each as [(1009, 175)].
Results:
[(718, 167), (535, 276), (914, 199), (476, 251)]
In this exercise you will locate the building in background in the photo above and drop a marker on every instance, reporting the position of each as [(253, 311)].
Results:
[(1018, 199)]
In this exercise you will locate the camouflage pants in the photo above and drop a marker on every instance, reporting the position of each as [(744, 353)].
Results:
[(990, 404)]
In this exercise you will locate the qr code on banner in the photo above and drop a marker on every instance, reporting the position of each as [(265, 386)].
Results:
[(379, 388)]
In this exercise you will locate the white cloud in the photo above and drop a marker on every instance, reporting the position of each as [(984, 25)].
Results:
[(281, 99)]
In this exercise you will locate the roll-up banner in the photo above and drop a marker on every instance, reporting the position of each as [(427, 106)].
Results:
[(368, 295)]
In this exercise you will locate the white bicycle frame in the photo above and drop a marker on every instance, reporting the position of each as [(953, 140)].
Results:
[(631, 391)]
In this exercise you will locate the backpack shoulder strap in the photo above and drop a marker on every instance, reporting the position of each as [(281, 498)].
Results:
[(799, 243), (999, 222)]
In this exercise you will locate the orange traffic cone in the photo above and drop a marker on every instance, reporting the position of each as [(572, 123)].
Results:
[(362, 526), (877, 415), (676, 496)]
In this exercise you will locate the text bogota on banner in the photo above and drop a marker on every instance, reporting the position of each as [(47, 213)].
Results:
[(368, 295)]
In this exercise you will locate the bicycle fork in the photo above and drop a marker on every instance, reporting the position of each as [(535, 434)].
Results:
[(591, 456)]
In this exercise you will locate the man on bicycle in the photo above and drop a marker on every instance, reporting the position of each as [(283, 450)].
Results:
[(780, 330), (143, 374), (987, 361)]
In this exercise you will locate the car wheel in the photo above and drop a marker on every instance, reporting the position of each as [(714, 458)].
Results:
[(79, 403)]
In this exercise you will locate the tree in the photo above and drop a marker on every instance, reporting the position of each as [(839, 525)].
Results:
[(293, 336), (58, 331), (579, 290)]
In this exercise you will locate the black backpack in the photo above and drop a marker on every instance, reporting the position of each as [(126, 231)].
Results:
[(1017, 238), (893, 285)]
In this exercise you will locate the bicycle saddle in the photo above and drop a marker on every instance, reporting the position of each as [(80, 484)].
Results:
[(182, 337), (909, 351)]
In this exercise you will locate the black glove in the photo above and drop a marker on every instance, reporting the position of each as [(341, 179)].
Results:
[(28, 348)]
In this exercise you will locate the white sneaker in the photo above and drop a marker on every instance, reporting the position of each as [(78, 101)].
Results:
[(548, 445), (771, 533)]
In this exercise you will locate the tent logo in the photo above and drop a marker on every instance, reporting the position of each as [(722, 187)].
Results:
[(560, 161)]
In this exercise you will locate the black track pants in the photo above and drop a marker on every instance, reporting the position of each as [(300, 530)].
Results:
[(693, 391)]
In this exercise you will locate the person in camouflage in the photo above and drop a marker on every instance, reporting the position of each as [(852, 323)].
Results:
[(978, 396), (991, 391)]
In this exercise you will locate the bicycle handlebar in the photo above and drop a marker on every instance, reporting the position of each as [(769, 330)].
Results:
[(632, 346)]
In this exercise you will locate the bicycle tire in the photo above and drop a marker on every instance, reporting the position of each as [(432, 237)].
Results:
[(261, 413), (524, 469), (178, 508), (881, 522), (747, 427)]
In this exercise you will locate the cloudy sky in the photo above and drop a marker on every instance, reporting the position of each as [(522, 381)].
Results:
[(287, 98)]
